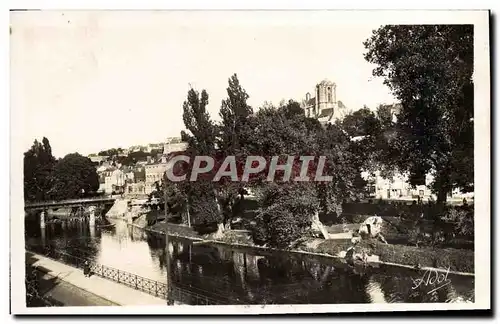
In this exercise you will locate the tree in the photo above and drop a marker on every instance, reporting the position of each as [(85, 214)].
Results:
[(198, 123), (344, 164), (74, 177), (286, 213), (200, 195), (38, 167), (289, 208), (110, 152), (371, 136), (234, 133), (156, 193), (429, 69), (234, 113), (362, 122), (176, 201)]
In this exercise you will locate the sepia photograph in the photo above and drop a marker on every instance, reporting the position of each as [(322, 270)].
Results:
[(323, 160)]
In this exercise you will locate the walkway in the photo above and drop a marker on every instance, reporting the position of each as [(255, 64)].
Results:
[(61, 293), (114, 292)]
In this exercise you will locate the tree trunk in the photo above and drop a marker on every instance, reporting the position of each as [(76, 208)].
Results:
[(442, 196), (317, 225), (220, 231), (188, 214)]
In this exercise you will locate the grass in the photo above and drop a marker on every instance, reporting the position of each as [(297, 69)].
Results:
[(457, 259)]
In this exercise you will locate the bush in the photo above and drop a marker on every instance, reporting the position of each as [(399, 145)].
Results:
[(259, 230), (463, 219), (278, 227), (231, 237), (286, 213)]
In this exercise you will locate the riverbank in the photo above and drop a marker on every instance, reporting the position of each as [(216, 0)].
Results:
[(113, 293), (458, 261)]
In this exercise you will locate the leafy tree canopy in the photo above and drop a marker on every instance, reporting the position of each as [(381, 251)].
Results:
[(74, 177), (429, 70), (38, 167)]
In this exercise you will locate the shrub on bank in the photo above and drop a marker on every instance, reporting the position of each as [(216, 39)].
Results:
[(175, 229), (233, 237), (456, 259)]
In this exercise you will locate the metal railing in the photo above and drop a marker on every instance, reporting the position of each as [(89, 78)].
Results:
[(146, 285), (176, 291)]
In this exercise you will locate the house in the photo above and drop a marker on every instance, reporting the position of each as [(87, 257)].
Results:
[(129, 174), (397, 187), (139, 174), (135, 190), (154, 173), (112, 180)]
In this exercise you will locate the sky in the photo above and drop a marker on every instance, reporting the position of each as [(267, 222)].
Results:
[(95, 80)]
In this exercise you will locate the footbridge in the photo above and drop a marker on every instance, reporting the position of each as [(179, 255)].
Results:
[(92, 203), (43, 205)]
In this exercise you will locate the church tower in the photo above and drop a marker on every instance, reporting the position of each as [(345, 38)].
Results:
[(324, 105), (326, 94)]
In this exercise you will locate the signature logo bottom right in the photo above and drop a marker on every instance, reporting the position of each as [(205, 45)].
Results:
[(432, 277)]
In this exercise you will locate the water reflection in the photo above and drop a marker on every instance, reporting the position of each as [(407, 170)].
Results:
[(235, 276), (43, 236), (374, 290)]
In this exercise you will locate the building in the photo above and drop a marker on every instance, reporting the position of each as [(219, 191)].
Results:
[(397, 187), (129, 174), (151, 147), (174, 144), (111, 180), (139, 174), (154, 170), (135, 190), (324, 105), (97, 159), (154, 173)]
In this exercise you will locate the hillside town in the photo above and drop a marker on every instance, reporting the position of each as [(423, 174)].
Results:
[(138, 175), (136, 171)]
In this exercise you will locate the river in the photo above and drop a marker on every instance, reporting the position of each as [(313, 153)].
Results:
[(236, 276)]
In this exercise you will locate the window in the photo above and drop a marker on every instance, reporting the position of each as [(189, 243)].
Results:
[(420, 192), (329, 94)]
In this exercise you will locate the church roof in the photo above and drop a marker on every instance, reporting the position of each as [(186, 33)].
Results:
[(326, 113), (311, 101)]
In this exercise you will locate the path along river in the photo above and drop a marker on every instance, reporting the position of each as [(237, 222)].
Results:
[(236, 276)]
